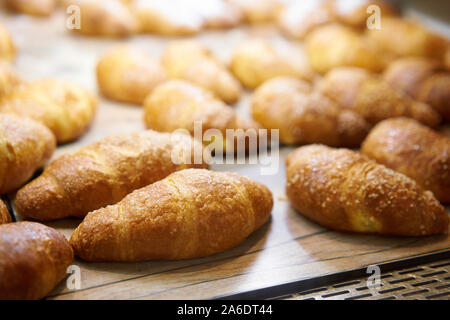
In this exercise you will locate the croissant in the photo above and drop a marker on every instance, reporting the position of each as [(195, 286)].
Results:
[(128, 74), (163, 17), (25, 145), (189, 61), (258, 11), (354, 13), (304, 116), (103, 173), (374, 99), (5, 216), (402, 37), (335, 45), (301, 17), (192, 213), (423, 79), (343, 190), (7, 47), (33, 260), (256, 61), (408, 147), (108, 18), (31, 7), (177, 104), (9, 79), (64, 107)]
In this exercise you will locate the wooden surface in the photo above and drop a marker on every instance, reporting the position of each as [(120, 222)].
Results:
[(286, 249)]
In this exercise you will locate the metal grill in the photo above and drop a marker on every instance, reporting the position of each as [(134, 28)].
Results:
[(423, 282)]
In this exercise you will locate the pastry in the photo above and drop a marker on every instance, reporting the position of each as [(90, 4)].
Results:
[(25, 145), (104, 172), (192, 213), (408, 147), (304, 115), (7, 47), (344, 190)]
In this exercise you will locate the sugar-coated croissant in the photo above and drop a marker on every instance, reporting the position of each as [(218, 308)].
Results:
[(190, 61), (33, 260), (25, 145), (402, 37), (108, 18), (407, 146), (177, 104), (128, 74), (103, 173), (7, 47), (9, 79), (256, 61), (374, 99), (192, 213), (305, 116), (301, 17), (163, 17), (424, 80), (66, 108), (354, 13), (344, 190), (335, 45), (5, 216), (258, 11), (31, 7)]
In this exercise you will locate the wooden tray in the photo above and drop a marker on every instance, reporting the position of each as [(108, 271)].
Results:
[(288, 248)]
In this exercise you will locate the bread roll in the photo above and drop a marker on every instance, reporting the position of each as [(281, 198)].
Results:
[(344, 190), (104, 172), (192, 213), (7, 47), (9, 79), (374, 99), (408, 147), (66, 108), (25, 145), (256, 61), (128, 74), (5, 216), (31, 7), (305, 116), (33, 260), (190, 61)]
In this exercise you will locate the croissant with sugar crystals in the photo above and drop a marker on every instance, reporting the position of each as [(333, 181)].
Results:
[(191, 213)]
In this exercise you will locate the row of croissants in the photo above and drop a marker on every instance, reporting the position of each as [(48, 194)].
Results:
[(360, 88)]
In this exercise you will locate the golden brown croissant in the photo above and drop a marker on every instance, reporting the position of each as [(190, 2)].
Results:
[(25, 145), (9, 79), (301, 17), (192, 213), (33, 260), (402, 37), (103, 173), (181, 17), (7, 47), (354, 13), (178, 104), (108, 18), (256, 61), (304, 116), (5, 216), (344, 190), (258, 11), (335, 45), (374, 99), (128, 74), (424, 80), (189, 61), (408, 147), (64, 107), (31, 7)]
